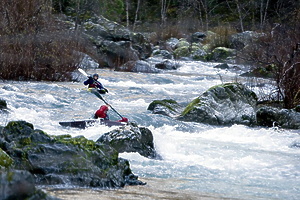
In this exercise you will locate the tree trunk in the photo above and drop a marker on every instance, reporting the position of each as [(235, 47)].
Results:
[(240, 14), (136, 13)]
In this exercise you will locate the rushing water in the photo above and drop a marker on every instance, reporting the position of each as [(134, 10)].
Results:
[(223, 162)]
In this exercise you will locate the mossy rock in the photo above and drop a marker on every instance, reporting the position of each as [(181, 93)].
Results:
[(168, 103), (223, 53), (5, 160), (187, 51), (223, 104)]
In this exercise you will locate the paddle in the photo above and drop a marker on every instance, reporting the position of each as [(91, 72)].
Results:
[(95, 92)]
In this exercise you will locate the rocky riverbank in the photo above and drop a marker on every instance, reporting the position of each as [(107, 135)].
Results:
[(30, 156)]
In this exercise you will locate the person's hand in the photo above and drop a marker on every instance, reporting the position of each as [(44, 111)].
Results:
[(102, 91), (106, 90), (90, 77)]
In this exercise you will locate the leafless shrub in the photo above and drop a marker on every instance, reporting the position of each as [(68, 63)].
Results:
[(279, 49), (33, 45)]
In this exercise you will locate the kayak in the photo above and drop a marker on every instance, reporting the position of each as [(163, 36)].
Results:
[(91, 122)]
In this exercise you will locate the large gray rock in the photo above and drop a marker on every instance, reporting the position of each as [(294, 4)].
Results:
[(63, 159), (285, 118), (226, 104), (240, 40), (131, 138), (115, 44)]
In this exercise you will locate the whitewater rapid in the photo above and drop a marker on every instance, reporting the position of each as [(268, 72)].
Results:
[(229, 162)]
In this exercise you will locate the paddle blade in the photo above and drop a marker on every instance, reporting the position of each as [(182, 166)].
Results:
[(82, 71)]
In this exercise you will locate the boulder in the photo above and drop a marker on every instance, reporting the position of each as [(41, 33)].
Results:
[(225, 104), (131, 138), (19, 184), (272, 116), (167, 65), (240, 40), (172, 42), (164, 54), (115, 44), (63, 159), (192, 51), (3, 104), (138, 66), (222, 53), (198, 37), (222, 66)]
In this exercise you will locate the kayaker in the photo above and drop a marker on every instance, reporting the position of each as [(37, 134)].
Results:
[(93, 82), (102, 113)]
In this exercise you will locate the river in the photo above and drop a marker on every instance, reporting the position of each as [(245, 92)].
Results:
[(199, 161)]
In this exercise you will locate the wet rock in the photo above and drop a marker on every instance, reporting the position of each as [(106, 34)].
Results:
[(131, 138), (63, 159), (295, 144), (5, 160), (166, 107), (138, 66), (164, 54), (222, 66), (3, 104), (226, 104), (19, 184), (167, 65), (271, 116)]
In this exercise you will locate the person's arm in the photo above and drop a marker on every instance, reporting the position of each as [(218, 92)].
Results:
[(87, 82)]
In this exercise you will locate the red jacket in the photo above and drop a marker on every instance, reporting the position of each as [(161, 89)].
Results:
[(101, 112)]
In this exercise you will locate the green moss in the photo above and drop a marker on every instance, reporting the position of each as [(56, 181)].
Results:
[(168, 103), (18, 125), (5, 160), (25, 141), (185, 51), (191, 106), (80, 141), (89, 26)]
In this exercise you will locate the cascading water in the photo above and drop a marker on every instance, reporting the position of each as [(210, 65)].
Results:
[(229, 162)]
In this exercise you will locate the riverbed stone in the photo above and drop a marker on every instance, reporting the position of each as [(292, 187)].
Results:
[(272, 116), (226, 104)]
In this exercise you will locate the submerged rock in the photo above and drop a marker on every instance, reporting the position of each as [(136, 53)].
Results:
[(19, 184), (166, 107), (226, 104), (3, 106), (62, 159), (285, 118), (131, 138)]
